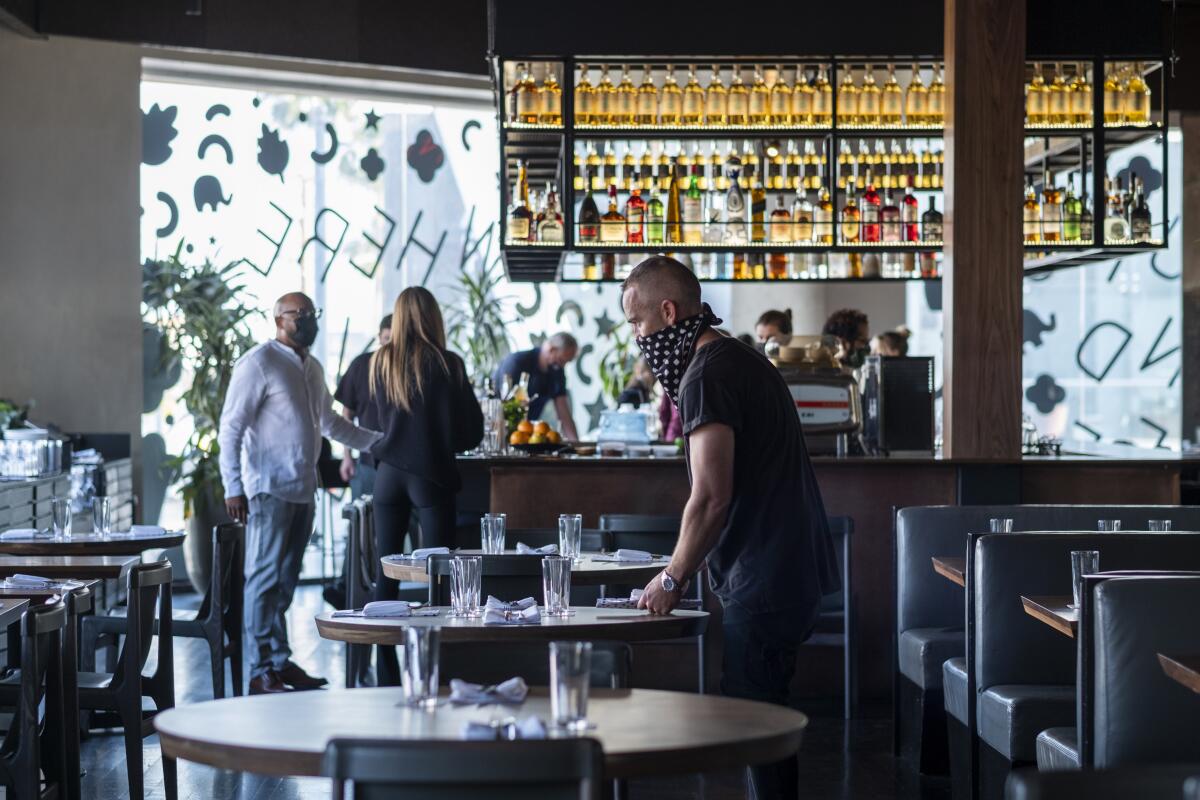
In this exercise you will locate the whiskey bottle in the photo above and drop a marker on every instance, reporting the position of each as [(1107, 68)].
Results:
[(1037, 99), (551, 113), (916, 99), (822, 104), (589, 220), (612, 224), (1081, 97), (739, 100), (931, 231), (671, 100), (891, 110), (1139, 214), (1116, 225), (889, 219), (1058, 105), (802, 218), (847, 100), (655, 232), (635, 215), (529, 102), (1052, 211), (1072, 214), (595, 168), (693, 99), (758, 207), (735, 204), (520, 218), (1114, 100), (802, 100), (760, 99), (1032, 214), (626, 99), (870, 212), (908, 213), (591, 272), (693, 214), (550, 226), (711, 263), (647, 100), (869, 100), (851, 228), (937, 98), (585, 99), (610, 165), (781, 99), (715, 100), (628, 168), (1137, 98), (699, 169), (674, 232), (606, 100), (823, 217), (579, 179)]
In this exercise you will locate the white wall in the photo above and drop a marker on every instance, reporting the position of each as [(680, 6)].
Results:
[(883, 303)]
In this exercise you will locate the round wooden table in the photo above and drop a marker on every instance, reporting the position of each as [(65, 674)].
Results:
[(643, 732), (584, 572), (588, 624), (91, 544)]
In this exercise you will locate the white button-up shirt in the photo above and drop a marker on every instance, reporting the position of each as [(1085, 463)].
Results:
[(276, 410)]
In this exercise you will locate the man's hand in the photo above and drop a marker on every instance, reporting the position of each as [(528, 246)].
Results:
[(658, 600), (346, 470), (238, 508)]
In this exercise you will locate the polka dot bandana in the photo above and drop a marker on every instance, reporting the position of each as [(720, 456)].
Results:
[(669, 351)]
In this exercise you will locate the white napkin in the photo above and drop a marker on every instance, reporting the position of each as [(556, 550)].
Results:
[(528, 728), (504, 605), (686, 603), (386, 608), (17, 534), (544, 550), (625, 554), (29, 581), (523, 616), (150, 531), (422, 553), (512, 691)]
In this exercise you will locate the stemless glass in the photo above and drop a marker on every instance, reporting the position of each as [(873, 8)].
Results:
[(101, 516), (1083, 562), (1159, 525), (556, 585), (465, 574), (491, 533), (1108, 525), (570, 534), (570, 671), (1000, 525), (419, 665), (60, 509)]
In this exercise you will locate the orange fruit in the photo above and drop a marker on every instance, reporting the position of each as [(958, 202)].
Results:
[(525, 426), (542, 427), (519, 437), (552, 437), (537, 438)]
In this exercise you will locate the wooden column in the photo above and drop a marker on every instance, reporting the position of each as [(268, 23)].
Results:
[(1190, 124), (985, 56)]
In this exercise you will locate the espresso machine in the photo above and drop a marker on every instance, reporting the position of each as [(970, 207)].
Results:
[(827, 398)]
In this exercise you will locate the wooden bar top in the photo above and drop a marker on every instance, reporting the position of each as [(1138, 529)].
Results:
[(1184, 669), (951, 567), (1055, 611)]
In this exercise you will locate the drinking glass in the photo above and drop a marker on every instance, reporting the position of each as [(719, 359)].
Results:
[(556, 585), (419, 665), (465, 574), (1083, 562), (1108, 525), (101, 516), (1000, 525), (570, 671), (1159, 525), (491, 533), (60, 509), (570, 534)]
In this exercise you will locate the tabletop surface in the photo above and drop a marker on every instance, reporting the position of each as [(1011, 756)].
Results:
[(951, 567), (620, 624), (67, 566), (584, 572), (1055, 611), (92, 544), (643, 731), (11, 610), (17, 593), (1184, 669)]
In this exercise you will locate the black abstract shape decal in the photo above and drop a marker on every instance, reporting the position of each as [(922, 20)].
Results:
[(470, 247), (426, 249), (570, 307), (256, 102), (161, 367), (529, 311), (1099, 375), (536, 339), (468, 125), (933, 294), (272, 153), (1140, 166), (584, 352), (1175, 377), (372, 120), (327, 156), (1151, 359), (1162, 432), (191, 248), (594, 408), (1112, 273), (219, 141), (379, 246), (302, 117), (1166, 276), (215, 110), (277, 242), (604, 324), (1032, 328), (1045, 394), (372, 164), (207, 192), (158, 129), (1095, 434), (169, 228), (425, 156)]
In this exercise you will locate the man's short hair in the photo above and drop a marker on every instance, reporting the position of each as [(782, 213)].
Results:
[(385, 323), (845, 324), (563, 342), (663, 278)]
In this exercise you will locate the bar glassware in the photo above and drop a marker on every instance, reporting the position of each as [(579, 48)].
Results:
[(60, 509), (465, 575), (101, 516), (570, 535), (1083, 562), (1000, 525), (1159, 525), (570, 671), (491, 533), (1108, 525), (556, 585), (419, 665)]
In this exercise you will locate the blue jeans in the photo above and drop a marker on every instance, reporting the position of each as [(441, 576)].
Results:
[(277, 533), (363, 481)]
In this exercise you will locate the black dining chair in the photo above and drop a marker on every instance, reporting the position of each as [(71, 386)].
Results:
[(121, 692), (836, 624), (380, 769), (591, 540), (1166, 782), (656, 533), (218, 621)]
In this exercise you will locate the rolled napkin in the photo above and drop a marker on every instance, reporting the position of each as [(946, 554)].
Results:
[(512, 691), (515, 616), (386, 608), (544, 550), (29, 581), (18, 534), (529, 728), (514, 605), (422, 553), (625, 554), (685, 603), (146, 530)]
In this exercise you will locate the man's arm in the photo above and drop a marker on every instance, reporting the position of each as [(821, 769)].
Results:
[(347, 468), (710, 452), (342, 430), (242, 399), (562, 405)]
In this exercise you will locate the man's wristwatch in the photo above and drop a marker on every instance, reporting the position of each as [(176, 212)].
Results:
[(670, 584)]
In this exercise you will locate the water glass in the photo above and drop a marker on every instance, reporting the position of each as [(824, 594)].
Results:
[(1083, 562), (491, 533), (465, 574), (1000, 525), (419, 665), (1108, 525), (570, 535), (60, 509), (570, 673), (556, 585), (1160, 525), (101, 516)]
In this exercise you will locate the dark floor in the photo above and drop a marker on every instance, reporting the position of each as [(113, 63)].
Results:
[(839, 760)]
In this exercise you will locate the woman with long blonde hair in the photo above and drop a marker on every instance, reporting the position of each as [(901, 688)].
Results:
[(428, 412)]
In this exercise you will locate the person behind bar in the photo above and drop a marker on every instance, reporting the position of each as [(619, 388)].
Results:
[(547, 381), (774, 326), (754, 514), (849, 327), (429, 412), (891, 343), (640, 388), (276, 409)]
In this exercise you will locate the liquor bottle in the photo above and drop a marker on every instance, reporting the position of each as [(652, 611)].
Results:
[(655, 232), (1086, 221), (550, 227), (908, 212), (931, 231), (551, 93), (513, 95), (758, 208), (1116, 225), (589, 220), (1072, 214), (822, 99), (781, 222), (579, 179), (626, 99), (670, 108), (1058, 100), (738, 107), (693, 214), (595, 168), (869, 100), (781, 99), (1036, 99), (870, 211), (1114, 100), (699, 169), (1052, 210), (674, 233), (803, 96), (1031, 213), (647, 100), (585, 99), (802, 218), (1126, 197), (591, 272), (693, 99), (605, 112), (937, 98), (760, 99), (1081, 97), (1137, 98), (891, 110), (1139, 214), (916, 99), (610, 165), (847, 100), (529, 101), (735, 203), (716, 100), (889, 219), (851, 228), (628, 168), (714, 233), (823, 217), (635, 214), (520, 218)]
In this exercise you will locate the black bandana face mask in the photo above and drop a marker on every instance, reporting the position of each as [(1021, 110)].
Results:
[(669, 351)]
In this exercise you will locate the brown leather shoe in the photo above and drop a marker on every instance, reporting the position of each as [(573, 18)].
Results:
[(297, 678), (268, 683)]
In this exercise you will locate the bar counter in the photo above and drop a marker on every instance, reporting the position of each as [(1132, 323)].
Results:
[(534, 490)]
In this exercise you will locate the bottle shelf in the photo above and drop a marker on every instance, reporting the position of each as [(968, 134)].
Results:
[(741, 281), (756, 247), (697, 131), (535, 245)]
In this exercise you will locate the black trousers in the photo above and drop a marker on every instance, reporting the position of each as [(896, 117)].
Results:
[(397, 493)]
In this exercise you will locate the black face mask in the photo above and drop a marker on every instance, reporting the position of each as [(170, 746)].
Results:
[(856, 357), (306, 331)]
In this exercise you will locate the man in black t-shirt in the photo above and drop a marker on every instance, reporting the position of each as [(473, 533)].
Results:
[(755, 515), (353, 392)]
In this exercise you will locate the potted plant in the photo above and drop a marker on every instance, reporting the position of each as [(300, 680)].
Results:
[(616, 366), (477, 325), (198, 311)]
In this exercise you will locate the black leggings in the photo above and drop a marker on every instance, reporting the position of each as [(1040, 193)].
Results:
[(397, 493)]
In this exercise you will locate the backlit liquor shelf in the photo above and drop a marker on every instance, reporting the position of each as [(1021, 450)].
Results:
[(809, 169)]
